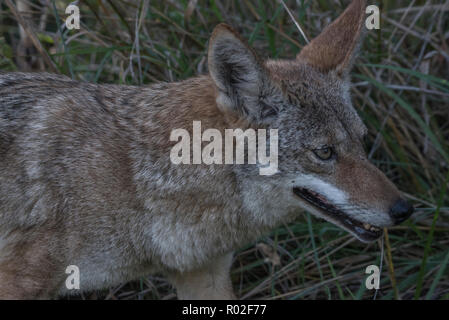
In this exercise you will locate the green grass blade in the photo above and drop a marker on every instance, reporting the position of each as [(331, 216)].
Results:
[(412, 113)]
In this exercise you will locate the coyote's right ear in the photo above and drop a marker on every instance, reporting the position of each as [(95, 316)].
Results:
[(335, 47), (238, 73)]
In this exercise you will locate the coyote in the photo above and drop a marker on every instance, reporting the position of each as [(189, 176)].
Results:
[(86, 177)]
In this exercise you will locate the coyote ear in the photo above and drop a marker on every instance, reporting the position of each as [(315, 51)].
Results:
[(237, 72), (335, 47)]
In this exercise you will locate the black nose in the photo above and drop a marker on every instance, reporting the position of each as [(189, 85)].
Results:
[(401, 211)]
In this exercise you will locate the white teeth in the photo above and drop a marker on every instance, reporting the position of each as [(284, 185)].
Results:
[(369, 227)]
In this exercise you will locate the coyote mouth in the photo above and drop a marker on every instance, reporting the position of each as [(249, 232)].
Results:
[(363, 231)]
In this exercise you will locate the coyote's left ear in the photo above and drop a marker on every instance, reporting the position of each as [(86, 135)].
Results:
[(335, 47), (238, 74)]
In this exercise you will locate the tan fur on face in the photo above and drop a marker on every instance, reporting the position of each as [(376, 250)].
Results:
[(366, 186)]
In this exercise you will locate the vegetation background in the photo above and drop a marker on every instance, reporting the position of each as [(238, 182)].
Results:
[(400, 89)]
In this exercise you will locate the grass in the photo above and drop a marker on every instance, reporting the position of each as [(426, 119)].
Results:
[(401, 90)]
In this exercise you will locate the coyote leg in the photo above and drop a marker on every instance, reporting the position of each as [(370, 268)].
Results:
[(13, 286), (26, 271), (210, 282)]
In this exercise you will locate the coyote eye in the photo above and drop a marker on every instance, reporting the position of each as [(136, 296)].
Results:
[(324, 153)]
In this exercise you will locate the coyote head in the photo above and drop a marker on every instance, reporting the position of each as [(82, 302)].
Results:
[(322, 165)]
